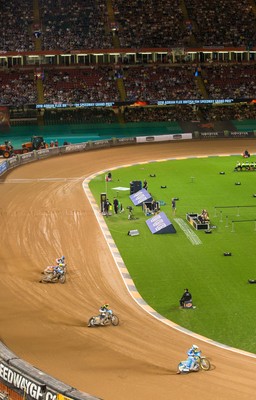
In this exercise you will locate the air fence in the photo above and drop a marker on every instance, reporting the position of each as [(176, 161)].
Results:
[(238, 210), (16, 374)]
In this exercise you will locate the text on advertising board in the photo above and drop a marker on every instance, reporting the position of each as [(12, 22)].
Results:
[(15, 379)]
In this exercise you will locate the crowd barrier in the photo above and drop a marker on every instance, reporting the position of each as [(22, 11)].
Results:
[(31, 383), (21, 159)]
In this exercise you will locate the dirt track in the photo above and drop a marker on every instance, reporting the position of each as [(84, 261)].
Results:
[(46, 324)]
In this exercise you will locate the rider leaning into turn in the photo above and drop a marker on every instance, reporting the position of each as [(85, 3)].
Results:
[(104, 313), (60, 264), (58, 269), (193, 353)]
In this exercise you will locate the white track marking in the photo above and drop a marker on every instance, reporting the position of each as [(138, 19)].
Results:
[(191, 235)]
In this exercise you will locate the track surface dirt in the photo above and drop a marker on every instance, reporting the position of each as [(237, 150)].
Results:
[(43, 217)]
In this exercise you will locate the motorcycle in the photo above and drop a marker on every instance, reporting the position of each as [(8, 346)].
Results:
[(50, 269), (201, 363), (52, 277), (99, 321)]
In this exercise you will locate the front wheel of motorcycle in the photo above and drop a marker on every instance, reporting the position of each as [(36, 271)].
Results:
[(205, 364), (115, 320), (91, 322)]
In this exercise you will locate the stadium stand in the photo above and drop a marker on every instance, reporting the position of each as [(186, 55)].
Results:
[(16, 19), (96, 83), (230, 81), (17, 87), (105, 52), (160, 82), (230, 23), (82, 27)]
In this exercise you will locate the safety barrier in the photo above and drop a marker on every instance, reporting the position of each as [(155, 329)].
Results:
[(21, 159), (31, 383)]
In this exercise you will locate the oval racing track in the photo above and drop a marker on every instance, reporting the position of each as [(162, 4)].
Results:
[(43, 217)]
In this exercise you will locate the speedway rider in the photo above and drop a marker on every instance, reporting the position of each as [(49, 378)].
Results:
[(57, 270), (61, 263), (104, 313), (60, 260), (193, 353)]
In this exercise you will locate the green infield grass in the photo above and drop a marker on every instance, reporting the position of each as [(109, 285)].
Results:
[(163, 265)]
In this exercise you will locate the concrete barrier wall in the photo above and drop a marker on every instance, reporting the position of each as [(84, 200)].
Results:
[(27, 380)]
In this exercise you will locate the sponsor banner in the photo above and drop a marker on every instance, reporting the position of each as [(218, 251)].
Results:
[(160, 224), (27, 157), (211, 135), (3, 167), (226, 134), (140, 197), (13, 161), (53, 151), (194, 101), (241, 134), (43, 153), (23, 384), (76, 105), (126, 140), (143, 103), (102, 143), (163, 138), (74, 147)]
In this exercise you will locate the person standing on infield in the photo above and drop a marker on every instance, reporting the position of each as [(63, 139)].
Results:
[(173, 206)]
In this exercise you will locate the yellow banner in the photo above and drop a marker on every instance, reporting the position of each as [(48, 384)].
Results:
[(62, 397)]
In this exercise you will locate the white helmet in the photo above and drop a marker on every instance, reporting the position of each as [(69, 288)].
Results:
[(195, 347)]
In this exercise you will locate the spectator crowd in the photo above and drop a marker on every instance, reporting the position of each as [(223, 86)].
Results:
[(97, 24), (74, 25), (224, 23), (93, 84), (65, 25)]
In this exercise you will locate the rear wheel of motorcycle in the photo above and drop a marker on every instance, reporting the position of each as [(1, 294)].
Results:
[(180, 370), (205, 364), (115, 320), (45, 279)]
